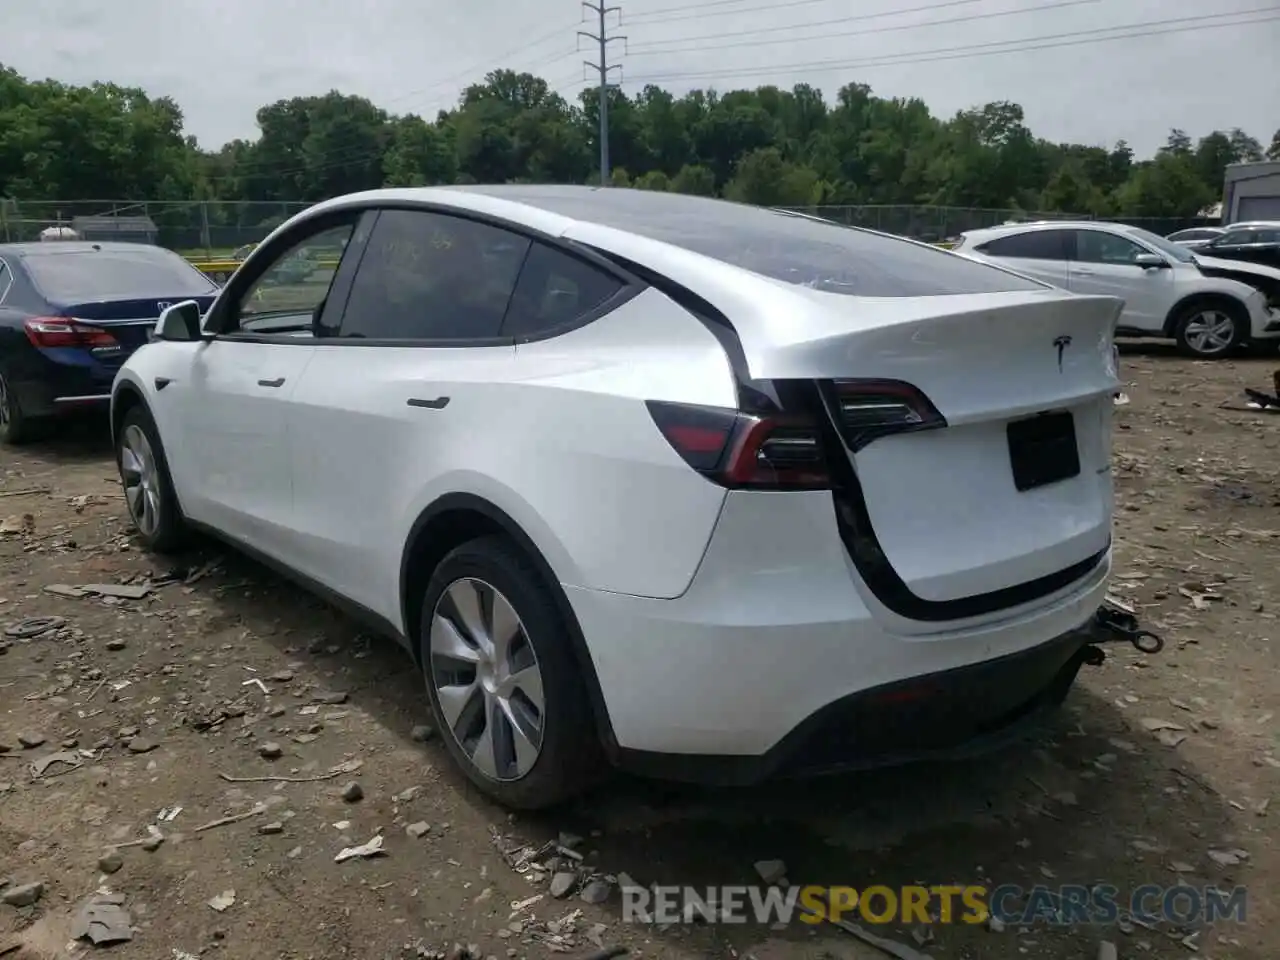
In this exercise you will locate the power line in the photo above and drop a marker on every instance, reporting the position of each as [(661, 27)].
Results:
[(643, 49), (603, 67), (1023, 45), (1051, 41), (701, 14)]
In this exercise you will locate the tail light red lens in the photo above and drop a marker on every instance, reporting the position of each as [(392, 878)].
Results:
[(741, 451), (869, 409), (786, 451), (62, 332)]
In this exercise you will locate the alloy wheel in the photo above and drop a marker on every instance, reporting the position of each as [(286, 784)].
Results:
[(141, 479), (1209, 332), (487, 680)]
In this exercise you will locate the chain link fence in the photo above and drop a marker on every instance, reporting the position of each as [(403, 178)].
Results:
[(937, 224), (207, 228), (214, 228)]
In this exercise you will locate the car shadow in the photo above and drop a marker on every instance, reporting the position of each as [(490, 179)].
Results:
[(1088, 800), (73, 439)]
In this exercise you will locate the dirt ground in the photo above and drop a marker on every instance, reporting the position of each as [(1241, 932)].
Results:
[(166, 707)]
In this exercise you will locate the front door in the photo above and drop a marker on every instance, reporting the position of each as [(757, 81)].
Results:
[(237, 460), (238, 470), (1105, 264)]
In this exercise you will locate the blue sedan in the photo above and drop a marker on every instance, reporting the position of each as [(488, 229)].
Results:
[(70, 314)]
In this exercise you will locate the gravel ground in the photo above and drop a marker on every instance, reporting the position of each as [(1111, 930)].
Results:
[(205, 739)]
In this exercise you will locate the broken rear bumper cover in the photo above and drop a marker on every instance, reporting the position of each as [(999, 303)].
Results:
[(951, 715)]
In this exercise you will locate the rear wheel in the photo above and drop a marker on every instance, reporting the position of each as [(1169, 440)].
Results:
[(16, 428), (505, 690), (148, 489), (1210, 329)]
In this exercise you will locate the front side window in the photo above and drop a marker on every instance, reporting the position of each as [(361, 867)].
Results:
[(555, 290), (1237, 238), (430, 276), (290, 293), (1094, 246)]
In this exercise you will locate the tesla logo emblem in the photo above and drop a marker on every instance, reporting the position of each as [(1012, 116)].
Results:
[(163, 305), (1061, 343)]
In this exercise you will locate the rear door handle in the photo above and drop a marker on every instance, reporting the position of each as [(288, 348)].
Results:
[(277, 382), (439, 403), (1085, 273)]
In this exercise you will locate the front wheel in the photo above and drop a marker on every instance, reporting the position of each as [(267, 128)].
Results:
[(505, 690), (1210, 330), (148, 488)]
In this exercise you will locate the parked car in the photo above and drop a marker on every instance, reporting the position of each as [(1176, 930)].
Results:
[(1193, 238), (704, 490), (1252, 242), (70, 314), (1208, 306)]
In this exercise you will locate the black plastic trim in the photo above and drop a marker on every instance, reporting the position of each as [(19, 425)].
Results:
[(466, 502), (1044, 673), (374, 621)]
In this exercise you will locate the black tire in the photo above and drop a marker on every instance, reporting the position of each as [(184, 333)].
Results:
[(1229, 310), (16, 428), (169, 533), (570, 758)]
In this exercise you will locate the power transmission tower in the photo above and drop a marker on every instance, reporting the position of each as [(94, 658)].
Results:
[(603, 40)]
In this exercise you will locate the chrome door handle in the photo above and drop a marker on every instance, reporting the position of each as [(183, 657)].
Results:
[(277, 382)]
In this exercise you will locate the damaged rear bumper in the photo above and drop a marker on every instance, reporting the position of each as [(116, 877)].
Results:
[(952, 715)]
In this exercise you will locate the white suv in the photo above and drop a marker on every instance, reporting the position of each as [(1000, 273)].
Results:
[(1208, 306), (706, 490)]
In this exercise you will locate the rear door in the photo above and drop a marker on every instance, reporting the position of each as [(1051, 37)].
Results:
[(394, 389), (1104, 265), (1043, 254)]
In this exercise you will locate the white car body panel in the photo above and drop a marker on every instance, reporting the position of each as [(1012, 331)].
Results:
[(689, 595), (1149, 295)]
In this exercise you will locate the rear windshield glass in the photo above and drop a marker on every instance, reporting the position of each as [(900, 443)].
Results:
[(116, 274), (782, 246)]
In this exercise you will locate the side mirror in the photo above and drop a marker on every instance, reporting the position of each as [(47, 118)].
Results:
[(1150, 261), (179, 323)]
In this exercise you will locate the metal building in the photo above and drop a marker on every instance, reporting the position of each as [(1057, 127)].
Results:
[(1251, 191)]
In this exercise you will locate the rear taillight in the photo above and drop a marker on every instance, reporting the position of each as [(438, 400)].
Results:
[(61, 332), (869, 409), (742, 451)]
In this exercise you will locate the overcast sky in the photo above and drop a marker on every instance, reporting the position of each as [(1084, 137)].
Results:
[(222, 59)]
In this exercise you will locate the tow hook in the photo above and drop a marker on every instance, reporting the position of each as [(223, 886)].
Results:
[(1113, 625)]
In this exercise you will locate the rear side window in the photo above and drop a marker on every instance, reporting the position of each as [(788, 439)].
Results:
[(428, 276), (112, 273), (1236, 237), (556, 289), (1033, 245), (837, 259)]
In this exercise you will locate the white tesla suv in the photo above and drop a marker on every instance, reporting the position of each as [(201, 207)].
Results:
[(705, 490)]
